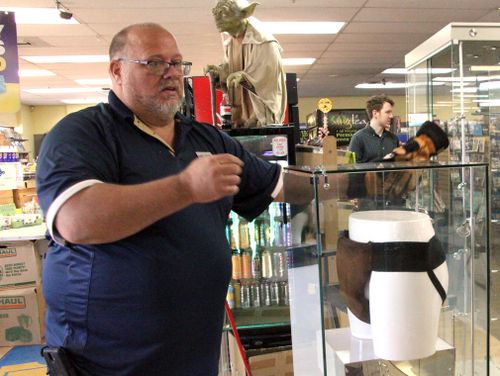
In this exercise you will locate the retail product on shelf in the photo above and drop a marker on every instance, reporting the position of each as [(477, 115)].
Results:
[(260, 263)]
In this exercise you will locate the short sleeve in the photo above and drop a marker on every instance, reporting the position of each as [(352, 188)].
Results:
[(356, 146), (258, 181), (76, 150)]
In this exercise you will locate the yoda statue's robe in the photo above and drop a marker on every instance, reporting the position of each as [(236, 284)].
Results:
[(258, 56)]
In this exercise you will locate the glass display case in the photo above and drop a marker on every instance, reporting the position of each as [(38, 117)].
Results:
[(258, 292), (407, 293), (259, 285), (454, 78)]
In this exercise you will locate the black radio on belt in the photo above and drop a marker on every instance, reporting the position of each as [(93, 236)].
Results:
[(57, 360)]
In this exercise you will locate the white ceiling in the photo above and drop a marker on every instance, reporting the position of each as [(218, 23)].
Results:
[(377, 35)]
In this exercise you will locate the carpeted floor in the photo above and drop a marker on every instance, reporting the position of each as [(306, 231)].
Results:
[(22, 361)]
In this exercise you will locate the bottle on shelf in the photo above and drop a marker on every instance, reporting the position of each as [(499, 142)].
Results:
[(246, 264), (225, 112), (255, 294), (275, 293), (243, 233), (256, 266), (283, 293), (237, 294), (262, 229), (266, 264), (230, 234), (279, 264), (245, 299), (265, 293), (236, 264)]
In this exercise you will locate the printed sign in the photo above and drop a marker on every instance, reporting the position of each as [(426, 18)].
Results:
[(343, 123), (280, 146), (10, 100)]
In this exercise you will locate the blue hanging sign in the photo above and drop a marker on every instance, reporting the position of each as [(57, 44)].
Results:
[(10, 100)]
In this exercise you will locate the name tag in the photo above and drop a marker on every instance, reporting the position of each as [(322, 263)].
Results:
[(200, 154)]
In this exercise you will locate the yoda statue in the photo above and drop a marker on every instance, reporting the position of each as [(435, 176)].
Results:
[(251, 72)]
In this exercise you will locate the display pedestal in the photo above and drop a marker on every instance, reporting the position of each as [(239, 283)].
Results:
[(347, 355)]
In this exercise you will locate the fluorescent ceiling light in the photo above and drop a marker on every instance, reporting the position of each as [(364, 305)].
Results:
[(67, 59), (62, 90), (467, 78), (86, 100), (35, 73), (484, 68), (387, 85), (465, 90), (490, 103), (94, 81), (298, 61), (489, 85), (303, 27), (417, 70), (38, 16)]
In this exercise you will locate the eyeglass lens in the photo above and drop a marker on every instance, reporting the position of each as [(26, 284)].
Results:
[(160, 67)]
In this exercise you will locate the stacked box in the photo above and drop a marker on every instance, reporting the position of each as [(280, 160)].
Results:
[(21, 301), (272, 364), (21, 316), (20, 264)]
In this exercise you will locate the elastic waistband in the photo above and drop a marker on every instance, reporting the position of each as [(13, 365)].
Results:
[(407, 256)]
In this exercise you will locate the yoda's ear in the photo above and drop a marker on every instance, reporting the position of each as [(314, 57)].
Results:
[(248, 10)]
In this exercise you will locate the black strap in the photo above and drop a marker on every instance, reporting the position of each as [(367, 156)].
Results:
[(407, 256), (439, 287)]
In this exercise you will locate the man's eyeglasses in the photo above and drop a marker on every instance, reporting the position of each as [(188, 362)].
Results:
[(159, 67)]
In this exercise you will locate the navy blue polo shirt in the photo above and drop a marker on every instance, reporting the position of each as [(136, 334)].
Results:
[(370, 147), (152, 303)]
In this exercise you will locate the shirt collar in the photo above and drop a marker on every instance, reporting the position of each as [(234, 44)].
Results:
[(182, 123)]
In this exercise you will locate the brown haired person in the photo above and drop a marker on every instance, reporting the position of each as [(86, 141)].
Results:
[(375, 141), (372, 144)]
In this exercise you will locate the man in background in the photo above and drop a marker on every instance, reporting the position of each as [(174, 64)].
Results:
[(375, 141)]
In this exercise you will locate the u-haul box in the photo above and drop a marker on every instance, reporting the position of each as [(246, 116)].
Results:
[(20, 264), (21, 316)]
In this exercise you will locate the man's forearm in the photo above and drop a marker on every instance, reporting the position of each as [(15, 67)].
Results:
[(104, 213)]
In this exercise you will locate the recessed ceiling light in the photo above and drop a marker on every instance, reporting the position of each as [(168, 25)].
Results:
[(464, 90), (62, 90), (466, 79), (66, 59), (387, 85), (418, 71), (35, 73), (489, 85), (38, 16), (298, 61), (484, 68), (303, 27)]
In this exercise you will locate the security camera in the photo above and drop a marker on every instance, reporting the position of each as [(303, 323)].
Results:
[(65, 15)]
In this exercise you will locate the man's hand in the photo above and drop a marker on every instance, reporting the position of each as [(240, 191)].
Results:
[(208, 179)]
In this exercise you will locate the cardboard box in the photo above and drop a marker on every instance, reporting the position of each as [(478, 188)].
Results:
[(22, 316), (23, 195), (273, 364), (20, 264)]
